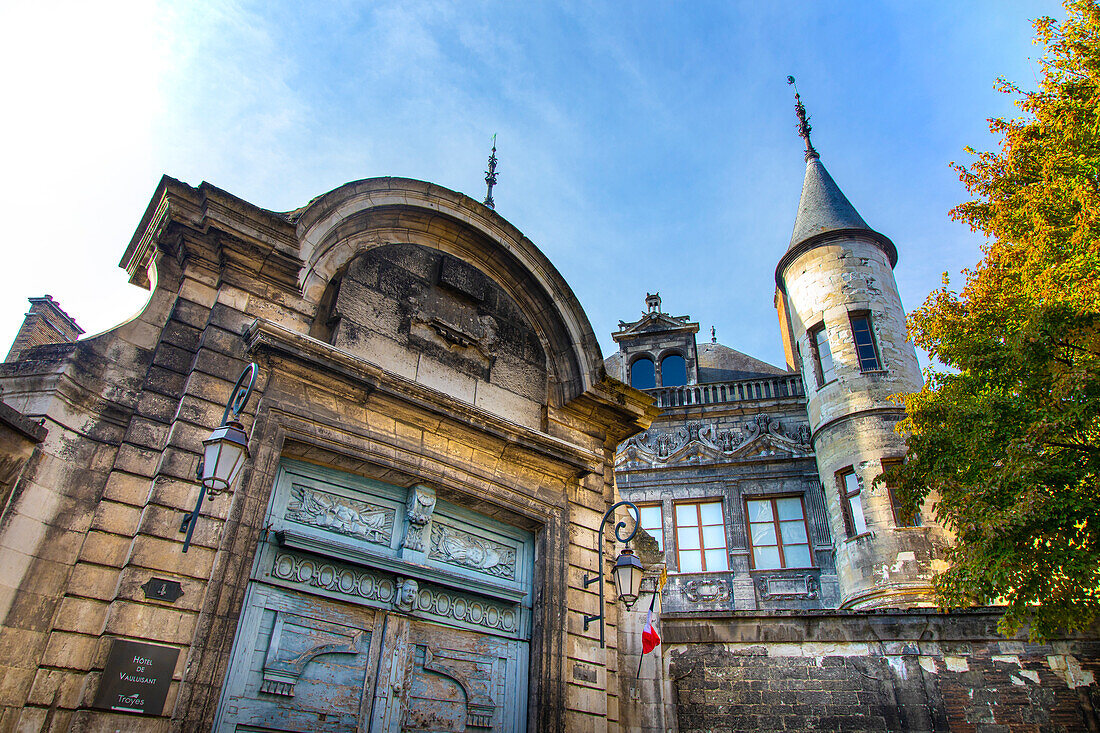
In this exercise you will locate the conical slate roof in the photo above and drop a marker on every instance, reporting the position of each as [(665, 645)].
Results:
[(824, 213), (823, 207)]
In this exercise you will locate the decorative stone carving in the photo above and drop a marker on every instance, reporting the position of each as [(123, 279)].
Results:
[(351, 517), (453, 324), (354, 583), (455, 547), (418, 510), (407, 592), (707, 590), (787, 587), (762, 435), (410, 596)]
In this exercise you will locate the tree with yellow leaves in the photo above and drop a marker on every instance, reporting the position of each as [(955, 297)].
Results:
[(1008, 436)]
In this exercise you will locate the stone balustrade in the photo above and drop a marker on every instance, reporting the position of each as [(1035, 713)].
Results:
[(740, 390)]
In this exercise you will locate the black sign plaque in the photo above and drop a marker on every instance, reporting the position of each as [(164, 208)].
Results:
[(136, 677), (160, 589)]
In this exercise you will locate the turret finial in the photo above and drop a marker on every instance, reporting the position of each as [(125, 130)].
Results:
[(803, 121), (491, 175)]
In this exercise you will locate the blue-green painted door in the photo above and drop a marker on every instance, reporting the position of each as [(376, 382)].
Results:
[(377, 608)]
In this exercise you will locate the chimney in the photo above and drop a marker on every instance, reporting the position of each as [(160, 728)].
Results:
[(45, 323)]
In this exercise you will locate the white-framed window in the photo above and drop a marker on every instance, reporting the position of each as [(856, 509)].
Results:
[(864, 338)]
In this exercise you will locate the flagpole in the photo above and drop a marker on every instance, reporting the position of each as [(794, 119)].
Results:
[(649, 619)]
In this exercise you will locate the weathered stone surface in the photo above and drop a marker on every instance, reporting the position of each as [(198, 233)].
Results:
[(440, 359)]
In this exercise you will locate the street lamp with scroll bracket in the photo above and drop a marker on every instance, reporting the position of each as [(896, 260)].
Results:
[(224, 452), (627, 572)]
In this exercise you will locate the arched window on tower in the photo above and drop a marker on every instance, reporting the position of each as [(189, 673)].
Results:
[(673, 371), (641, 374)]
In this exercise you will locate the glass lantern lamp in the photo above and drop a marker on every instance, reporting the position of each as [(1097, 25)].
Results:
[(628, 577)]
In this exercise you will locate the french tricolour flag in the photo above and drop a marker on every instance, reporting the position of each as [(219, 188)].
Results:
[(650, 637)]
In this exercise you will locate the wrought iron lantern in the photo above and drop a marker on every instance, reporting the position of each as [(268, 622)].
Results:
[(224, 452), (627, 572), (628, 576)]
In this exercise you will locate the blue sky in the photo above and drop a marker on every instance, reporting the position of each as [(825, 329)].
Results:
[(651, 148)]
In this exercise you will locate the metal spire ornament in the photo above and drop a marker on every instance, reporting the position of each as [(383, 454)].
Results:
[(491, 175), (803, 121)]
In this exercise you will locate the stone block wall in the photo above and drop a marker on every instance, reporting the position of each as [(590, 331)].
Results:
[(96, 512), (824, 285), (877, 671)]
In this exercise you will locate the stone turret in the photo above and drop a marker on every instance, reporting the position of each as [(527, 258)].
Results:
[(844, 328)]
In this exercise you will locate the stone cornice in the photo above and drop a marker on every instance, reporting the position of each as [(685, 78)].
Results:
[(261, 242), (265, 335)]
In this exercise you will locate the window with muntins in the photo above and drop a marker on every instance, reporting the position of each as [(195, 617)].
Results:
[(851, 502), (673, 371), (822, 355), (902, 518), (642, 375), (651, 521), (701, 537), (864, 339), (778, 534)]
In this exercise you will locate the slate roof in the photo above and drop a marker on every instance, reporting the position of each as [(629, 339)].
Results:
[(823, 207), (718, 363)]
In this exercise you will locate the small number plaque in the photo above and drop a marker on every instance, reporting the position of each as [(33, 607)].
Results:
[(160, 589)]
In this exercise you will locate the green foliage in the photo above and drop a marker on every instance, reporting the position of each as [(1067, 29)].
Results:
[(1007, 441)]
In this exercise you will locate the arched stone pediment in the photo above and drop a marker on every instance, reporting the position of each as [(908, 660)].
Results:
[(337, 227)]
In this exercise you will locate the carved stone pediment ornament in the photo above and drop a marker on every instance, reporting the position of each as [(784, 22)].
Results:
[(709, 590), (762, 435), (448, 316), (787, 587)]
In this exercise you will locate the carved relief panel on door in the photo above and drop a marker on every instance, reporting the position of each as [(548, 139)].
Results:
[(437, 679), (299, 664)]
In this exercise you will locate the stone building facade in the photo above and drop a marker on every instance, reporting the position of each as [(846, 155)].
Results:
[(799, 593), (434, 439), (431, 441)]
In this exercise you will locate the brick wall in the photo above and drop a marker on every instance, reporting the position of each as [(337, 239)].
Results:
[(45, 323)]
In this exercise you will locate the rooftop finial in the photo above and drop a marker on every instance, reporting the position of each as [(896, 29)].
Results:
[(653, 302), (803, 121), (491, 175)]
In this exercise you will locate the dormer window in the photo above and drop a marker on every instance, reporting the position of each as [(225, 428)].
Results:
[(673, 371), (642, 375)]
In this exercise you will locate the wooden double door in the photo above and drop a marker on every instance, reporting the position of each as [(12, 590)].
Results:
[(307, 663)]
